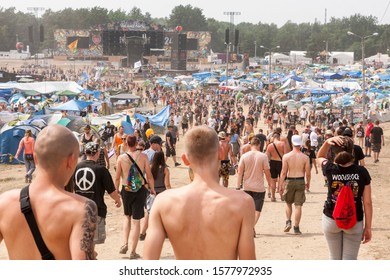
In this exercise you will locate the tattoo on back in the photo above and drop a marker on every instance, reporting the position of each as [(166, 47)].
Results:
[(89, 226)]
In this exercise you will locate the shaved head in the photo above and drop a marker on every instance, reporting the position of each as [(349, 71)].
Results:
[(201, 142), (55, 143)]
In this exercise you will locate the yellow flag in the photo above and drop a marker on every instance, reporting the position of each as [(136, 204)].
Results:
[(73, 45)]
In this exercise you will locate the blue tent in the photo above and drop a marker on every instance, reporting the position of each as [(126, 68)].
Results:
[(9, 141), (316, 99), (202, 76), (160, 119), (72, 105), (128, 126)]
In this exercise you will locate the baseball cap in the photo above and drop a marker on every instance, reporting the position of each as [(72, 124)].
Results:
[(222, 135), (347, 132), (155, 139), (91, 148), (296, 140)]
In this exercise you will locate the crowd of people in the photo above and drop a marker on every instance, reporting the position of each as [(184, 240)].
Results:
[(222, 135)]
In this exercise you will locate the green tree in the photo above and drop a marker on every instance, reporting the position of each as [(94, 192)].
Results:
[(190, 18)]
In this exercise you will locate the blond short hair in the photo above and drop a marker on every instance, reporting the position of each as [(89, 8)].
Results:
[(201, 143)]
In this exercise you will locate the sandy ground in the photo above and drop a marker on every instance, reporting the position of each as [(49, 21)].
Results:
[(271, 242)]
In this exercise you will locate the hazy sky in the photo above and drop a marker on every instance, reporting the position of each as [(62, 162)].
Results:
[(254, 11)]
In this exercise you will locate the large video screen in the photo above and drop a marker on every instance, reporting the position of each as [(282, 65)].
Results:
[(83, 42)]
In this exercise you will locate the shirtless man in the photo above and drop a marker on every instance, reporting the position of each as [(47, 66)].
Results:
[(133, 202), (66, 221), (275, 152), (183, 214), (247, 146), (225, 156), (296, 166)]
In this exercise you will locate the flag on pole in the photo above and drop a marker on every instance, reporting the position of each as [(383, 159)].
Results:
[(73, 46)]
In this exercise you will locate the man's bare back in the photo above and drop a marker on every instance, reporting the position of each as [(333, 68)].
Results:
[(225, 151), (271, 151), (296, 164), (58, 210), (205, 222), (66, 221), (202, 220)]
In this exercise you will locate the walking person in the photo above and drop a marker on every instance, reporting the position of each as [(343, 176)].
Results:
[(367, 135), (252, 168), (162, 182), (226, 157), (377, 140), (183, 214), (92, 180), (275, 151), (296, 166), (66, 221), (27, 143), (344, 244), (133, 192)]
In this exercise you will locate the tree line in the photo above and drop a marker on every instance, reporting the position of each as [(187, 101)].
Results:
[(309, 37)]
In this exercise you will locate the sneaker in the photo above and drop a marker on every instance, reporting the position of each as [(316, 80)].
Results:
[(123, 249), (142, 236), (134, 256), (177, 164), (297, 231), (288, 226)]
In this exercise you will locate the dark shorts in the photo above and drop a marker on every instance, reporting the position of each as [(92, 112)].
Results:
[(224, 169), (376, 147), (258, 198), (295, 192), (275, 168), (134, 203), (170, 152), (367, 142), (275, 121), (184, 125)]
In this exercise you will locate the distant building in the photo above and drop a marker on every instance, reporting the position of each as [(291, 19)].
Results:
[(379, 60), (341, 58), (299, 57)]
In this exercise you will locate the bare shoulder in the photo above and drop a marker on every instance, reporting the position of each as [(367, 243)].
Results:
[(9, 200)]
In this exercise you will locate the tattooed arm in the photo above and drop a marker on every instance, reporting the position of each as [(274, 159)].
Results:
[(81, 239)]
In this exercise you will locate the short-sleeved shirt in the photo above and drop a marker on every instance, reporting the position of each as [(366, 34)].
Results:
[(376, 134), (354, 176), (92, 180), (369, 127), (254, 164)]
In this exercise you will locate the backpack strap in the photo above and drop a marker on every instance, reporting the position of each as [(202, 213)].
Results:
[(25, 207), (276, 149), (139, 169)]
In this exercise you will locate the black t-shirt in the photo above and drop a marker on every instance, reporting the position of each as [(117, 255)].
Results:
[(262, 139), (355, 176), (91, 180), (172, 140), (310, 153), (376, 134), (358, 154), (109, 130)]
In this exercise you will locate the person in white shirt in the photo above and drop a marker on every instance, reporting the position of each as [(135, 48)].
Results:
[(211, 122)]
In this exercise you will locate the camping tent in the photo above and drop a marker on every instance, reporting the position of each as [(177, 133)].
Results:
[(72, 105), (10, 137)]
